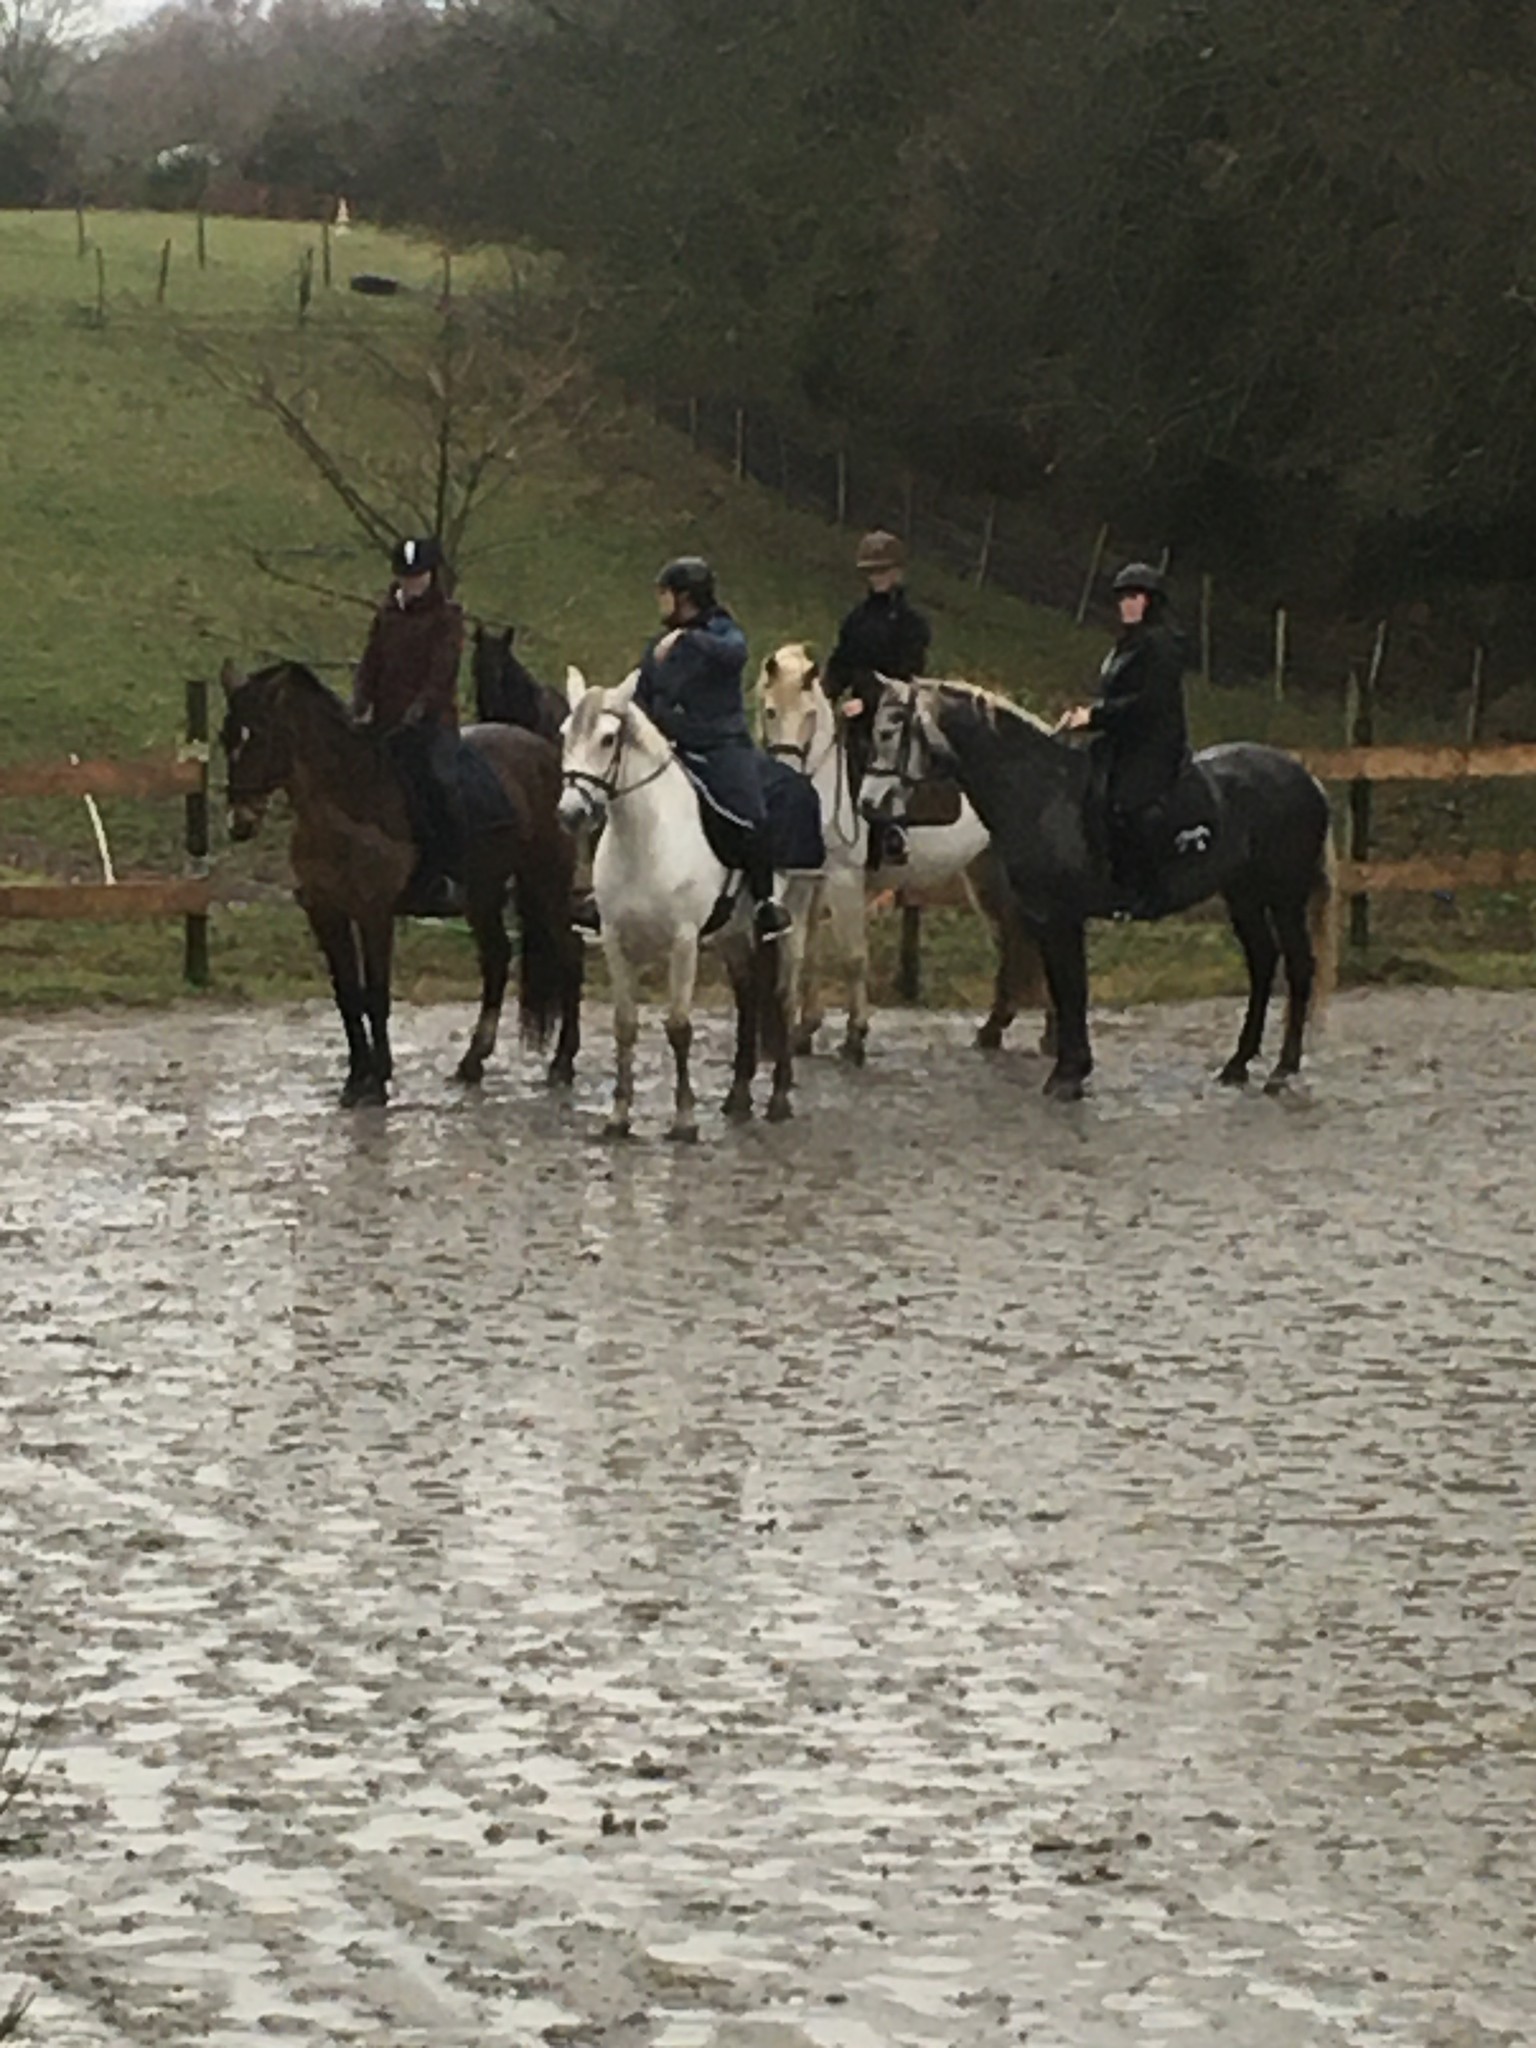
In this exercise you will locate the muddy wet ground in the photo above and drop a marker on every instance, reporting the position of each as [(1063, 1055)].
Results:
[(952, 1571)]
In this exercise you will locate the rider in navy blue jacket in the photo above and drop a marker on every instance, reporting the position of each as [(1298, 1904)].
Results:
[(691, 687)]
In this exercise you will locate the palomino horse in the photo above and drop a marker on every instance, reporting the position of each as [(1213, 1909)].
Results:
[(506, 693), (657, 883), (800, 726), (1264, 843), (353, 855)]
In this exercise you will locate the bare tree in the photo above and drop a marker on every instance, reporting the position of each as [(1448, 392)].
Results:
[(38, 41), (419, 436)]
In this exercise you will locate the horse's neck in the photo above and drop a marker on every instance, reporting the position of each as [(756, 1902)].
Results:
[(995, 755), (339, 769), (656, 814)]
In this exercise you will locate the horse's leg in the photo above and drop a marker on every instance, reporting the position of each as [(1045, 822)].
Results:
[(775, 978), (1250, 920), (994, 899), (378, 936), (626, 1030), (808, 1006), (1300, 972), (739, 965), (338, 942), (1066, 970), (682, 975), (495, 950), (562, 1067), (850, 935)]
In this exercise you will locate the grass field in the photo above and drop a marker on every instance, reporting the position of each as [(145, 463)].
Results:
[(139, 493)]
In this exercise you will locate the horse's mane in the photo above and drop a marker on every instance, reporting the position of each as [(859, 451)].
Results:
[(306, 679), (988, 703)]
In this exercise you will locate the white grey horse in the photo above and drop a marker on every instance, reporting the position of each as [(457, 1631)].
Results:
[(657, 883)]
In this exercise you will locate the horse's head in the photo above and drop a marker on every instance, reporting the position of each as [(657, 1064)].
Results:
[(792, 702), (256, 746), (907, 748), (602, 730)]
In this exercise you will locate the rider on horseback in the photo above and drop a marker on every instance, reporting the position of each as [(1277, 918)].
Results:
[(1142, 735), (882, 636), (690, 687), (406, 687)]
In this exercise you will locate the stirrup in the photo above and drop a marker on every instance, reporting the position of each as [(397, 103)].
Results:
[(770, 920)]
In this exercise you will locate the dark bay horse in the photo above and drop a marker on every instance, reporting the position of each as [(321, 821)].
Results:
[(353, 856), (1267, 851), (506, 693)]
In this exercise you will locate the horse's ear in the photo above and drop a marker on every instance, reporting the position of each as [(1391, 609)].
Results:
[(509, 634), (229, 677), (771, 668), (625, 691), (575, 685)]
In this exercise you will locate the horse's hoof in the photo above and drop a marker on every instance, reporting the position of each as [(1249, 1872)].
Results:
[(1234, 1074), (804, 1042), (1279, 1082), (989, 1037), (470, 1071), (562, 1074), (737, 1106), (780, 1109), (683, 1134), (616, 1130), (852, 1051), (1065, 1087), (363, 1091)]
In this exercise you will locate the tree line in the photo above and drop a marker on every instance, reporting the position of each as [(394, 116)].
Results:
[(1257, 282)]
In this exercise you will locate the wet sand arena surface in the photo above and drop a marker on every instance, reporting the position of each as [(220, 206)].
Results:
[(951, 1571)]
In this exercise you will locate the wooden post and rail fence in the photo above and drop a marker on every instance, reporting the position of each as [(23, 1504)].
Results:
[(183, 772), (180, 772)]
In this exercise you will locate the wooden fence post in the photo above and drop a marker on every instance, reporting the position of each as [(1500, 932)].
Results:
[(165, 272), (1101, 542), (1207, 597), (988, 535), (101, 286), (739, 457), (195, 955), (327, 273), (840, 500), (202, 239), (1475, 700), (1360, 711), (1281, 637), (306, 283), (909, 967), (82, 242)]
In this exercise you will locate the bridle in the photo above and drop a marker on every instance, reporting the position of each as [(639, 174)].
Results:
[(901, 770), (607, 787)]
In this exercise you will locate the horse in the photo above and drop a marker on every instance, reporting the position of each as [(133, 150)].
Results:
[(800, 725), (354, 854), (506, 693), (658, 884), (1267, 850)]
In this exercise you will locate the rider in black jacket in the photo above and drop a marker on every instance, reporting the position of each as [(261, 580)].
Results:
[(883, 636), (1143, 733)]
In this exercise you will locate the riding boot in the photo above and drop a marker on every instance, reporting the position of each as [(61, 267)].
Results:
[(770, 919), (887, 845), (584, 915)]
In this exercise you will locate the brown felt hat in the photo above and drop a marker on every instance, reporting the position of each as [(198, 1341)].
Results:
[(880, 550)]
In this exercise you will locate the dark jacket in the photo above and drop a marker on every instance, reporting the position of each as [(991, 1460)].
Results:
[(411, 662), (695, 695), (1140, 713), (882, 636)]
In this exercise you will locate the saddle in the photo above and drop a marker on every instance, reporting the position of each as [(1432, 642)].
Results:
[(794, 833), (1157, 851), (934, 802)]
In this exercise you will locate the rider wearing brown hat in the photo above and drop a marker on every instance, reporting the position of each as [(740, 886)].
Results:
[(882, 636)]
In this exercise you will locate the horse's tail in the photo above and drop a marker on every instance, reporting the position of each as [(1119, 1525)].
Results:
[(544, 949), (1323, 926)]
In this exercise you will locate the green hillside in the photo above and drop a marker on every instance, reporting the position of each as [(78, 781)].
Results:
[(140, 492)]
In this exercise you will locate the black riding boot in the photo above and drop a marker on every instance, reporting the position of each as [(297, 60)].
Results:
[(770, 919)]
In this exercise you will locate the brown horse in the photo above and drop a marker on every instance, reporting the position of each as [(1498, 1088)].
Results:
[(354, 854)]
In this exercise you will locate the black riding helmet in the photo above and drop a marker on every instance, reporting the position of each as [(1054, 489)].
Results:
[(1143, 577), (419, 556), (689, 576)]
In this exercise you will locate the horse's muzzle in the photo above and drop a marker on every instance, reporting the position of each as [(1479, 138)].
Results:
[(577, 808), (880, 809), (245, 820)]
